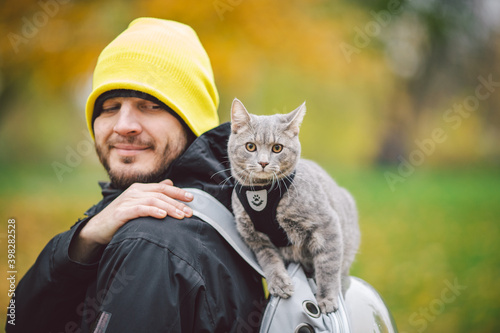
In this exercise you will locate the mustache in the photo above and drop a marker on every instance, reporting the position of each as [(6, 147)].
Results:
[(132, 140)]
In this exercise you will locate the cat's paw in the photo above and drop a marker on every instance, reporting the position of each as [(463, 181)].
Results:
[(328, 304), (280, 285)]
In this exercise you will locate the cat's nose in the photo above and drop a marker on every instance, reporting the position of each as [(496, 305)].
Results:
[(263, 164)]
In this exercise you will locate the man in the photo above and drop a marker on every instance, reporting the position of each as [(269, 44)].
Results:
[(139, 261)]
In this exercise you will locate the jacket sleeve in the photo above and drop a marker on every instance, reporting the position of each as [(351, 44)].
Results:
[(161, 291), (171, 276), (49, 296)]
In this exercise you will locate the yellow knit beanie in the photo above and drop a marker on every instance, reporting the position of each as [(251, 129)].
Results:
[(164, 59)]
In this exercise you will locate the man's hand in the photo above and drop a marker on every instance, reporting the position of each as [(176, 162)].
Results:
[(139, 200)]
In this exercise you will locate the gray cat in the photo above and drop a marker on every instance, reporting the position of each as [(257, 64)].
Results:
[(300, 214)]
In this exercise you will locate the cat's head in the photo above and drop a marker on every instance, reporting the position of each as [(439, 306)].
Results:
[(263, 149)]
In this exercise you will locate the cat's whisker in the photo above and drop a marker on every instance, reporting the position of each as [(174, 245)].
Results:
[(234, 173), (278, 182), (225, 181), (248, 175), (242, 184), (272, 183), (290, 180), (241, 175), (251, 181), (228, 169), (286, 186)]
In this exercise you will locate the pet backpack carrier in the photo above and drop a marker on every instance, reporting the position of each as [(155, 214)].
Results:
[(361, 309)]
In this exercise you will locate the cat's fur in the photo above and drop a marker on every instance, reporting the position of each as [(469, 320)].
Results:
[(318, 216)]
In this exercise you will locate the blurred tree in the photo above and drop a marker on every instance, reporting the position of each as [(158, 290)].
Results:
[(273, 54), (437, 49), (51, 47)]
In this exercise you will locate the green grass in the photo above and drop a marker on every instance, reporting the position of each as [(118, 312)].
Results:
[(438, 227)]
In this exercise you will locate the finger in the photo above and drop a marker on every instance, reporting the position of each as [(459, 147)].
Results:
[(167, 182), (145, 210), (137, 190), (187, 211), (164, 203), (139, 194), (175, 192)]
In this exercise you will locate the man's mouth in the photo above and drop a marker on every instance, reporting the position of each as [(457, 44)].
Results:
[(128, 149)]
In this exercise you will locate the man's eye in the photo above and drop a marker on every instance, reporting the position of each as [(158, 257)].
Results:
[(110, 109), (153, 107)]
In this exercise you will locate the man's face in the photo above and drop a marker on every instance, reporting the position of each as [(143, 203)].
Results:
[(136, 140)]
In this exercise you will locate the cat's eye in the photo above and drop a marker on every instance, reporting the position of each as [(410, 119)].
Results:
[(277, 148), (251, 146)]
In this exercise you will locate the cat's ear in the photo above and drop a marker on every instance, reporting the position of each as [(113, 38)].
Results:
[(295, 118), (239, 116)]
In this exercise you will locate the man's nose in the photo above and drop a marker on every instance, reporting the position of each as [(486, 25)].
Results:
[(128, 122)]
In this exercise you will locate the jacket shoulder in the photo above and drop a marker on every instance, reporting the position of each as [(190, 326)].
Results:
[(181, 237), (187, 261)]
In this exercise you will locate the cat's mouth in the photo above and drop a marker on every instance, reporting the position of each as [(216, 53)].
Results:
[(264, 176), (261, 174)]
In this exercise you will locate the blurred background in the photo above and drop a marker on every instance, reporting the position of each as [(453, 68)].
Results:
[(403, 103)]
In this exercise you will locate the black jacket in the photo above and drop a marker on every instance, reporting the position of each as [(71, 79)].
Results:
[(155, 275)]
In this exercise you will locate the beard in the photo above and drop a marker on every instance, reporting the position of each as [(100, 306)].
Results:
[(121, 179)]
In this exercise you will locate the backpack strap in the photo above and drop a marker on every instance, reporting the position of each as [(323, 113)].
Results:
[(280, 314), (210, 210)]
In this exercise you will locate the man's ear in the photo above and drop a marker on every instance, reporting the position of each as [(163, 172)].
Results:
[(239, 116), (295, 118)]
